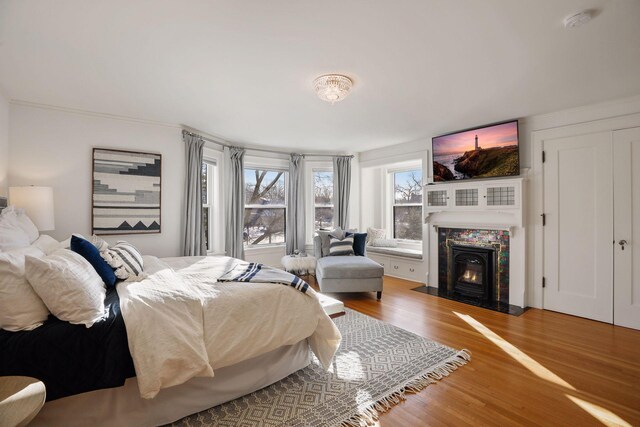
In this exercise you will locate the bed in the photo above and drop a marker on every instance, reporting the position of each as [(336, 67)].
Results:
[(190, 343)]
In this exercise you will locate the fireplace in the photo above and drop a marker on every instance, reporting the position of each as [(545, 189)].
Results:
[(472, 272), (473, 267)]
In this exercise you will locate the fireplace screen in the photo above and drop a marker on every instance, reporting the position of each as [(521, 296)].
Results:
[(473, 271), (470, 271)]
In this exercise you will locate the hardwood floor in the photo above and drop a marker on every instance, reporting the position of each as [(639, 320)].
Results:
[(542, 368)]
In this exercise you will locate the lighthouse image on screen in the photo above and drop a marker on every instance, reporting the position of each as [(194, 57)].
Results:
[(485, 152)]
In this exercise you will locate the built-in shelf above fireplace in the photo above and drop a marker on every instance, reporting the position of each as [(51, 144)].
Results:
[(495, 203)]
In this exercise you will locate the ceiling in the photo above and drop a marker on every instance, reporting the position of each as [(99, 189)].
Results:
[(243, 70)]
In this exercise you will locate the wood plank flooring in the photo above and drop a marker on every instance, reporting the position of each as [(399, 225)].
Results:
[(569, 371)]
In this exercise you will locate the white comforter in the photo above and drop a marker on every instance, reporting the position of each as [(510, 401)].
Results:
[(181, 323)]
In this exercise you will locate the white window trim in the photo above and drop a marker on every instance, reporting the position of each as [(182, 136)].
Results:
[(216, 199), (390, 201), (277, 165), (310, 213)]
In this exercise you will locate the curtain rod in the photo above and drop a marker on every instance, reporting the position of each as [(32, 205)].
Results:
[(264, 150)]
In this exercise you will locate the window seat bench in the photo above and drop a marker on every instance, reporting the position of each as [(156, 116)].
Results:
[(399, 252)]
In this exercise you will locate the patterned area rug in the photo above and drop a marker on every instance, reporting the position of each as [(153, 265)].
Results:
[(377, 363)]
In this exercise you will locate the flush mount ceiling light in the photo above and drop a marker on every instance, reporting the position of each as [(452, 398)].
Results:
[(577, 19), (332, 87)]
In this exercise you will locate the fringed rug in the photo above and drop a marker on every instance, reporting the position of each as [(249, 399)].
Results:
[(377, 363)]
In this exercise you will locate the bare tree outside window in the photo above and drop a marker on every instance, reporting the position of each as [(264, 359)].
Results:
[(207, 175), (323, 199), (407, 205), (265, 207)]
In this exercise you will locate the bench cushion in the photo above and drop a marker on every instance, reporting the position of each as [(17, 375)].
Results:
[(401, 252), (349, 267)]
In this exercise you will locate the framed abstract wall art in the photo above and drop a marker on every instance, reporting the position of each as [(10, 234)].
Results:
[(126, 192)]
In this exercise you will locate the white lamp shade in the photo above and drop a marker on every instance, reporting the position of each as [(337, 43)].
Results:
[(37, 202)]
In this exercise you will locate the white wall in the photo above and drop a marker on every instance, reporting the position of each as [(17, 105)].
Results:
[(527, 125), (54, 148), (4, 144)]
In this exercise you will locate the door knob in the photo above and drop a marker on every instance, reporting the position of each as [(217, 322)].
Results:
[(622, 243)]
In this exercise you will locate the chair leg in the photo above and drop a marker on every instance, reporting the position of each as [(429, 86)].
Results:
[(379, 295)]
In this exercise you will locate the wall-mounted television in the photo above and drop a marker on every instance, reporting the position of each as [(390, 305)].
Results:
[(489, 151)]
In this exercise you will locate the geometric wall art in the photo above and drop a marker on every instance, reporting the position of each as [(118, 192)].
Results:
[(126, 192)]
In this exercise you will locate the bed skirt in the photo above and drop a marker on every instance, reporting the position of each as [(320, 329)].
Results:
[(123, 406)]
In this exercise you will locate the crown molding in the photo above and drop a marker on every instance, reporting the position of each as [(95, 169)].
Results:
[(89, 113)]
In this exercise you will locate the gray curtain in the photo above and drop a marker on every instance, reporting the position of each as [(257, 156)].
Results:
[(341, 190), (234, 218), (295, 205), (193, 241)]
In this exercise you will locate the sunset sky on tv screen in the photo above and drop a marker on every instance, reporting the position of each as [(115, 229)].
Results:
[(495, 136)]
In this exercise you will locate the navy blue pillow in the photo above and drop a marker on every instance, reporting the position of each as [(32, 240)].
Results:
[(359, 243), (90, 253)]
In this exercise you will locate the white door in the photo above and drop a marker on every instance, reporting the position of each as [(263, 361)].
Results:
[(626, 193), (578, 204)]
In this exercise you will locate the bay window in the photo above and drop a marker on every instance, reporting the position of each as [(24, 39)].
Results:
[(407, 204), (265, 206), (323, 199)]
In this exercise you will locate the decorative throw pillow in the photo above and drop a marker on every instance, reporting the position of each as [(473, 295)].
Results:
[(341, 247), (68, 285), (99, 243), (66, 244), (91, 253), (359, 243), (21, 309), (325, 239), (125, 259), (11, 235), (375, 234), (384, 243)]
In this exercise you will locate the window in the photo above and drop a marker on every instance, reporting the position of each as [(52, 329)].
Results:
[(208, 173), (407, 205), (323, 199), (264, 207)]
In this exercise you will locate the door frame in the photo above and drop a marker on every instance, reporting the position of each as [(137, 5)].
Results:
[(535, 291)]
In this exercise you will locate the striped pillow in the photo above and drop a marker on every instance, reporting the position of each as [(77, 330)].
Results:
[(125, 259), (340, 247)]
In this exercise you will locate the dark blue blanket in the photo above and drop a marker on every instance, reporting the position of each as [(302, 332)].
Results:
[(71, 359)]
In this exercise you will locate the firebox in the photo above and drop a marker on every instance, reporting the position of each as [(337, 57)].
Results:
[(472, 272)]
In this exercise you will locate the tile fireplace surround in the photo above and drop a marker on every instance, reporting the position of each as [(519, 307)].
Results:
[(496, 239)]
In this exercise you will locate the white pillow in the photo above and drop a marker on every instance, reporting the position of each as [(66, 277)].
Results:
[(20, 218), (68, 285), (375, 234), (46, 244), (21, 309), (11, 235)]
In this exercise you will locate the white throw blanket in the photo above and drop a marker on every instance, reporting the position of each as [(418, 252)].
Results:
[(182, 323)]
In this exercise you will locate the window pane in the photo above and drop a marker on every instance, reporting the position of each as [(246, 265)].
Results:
[(408, 187), (204, 176), (324, 217), (323, 187), (205, 225), (263, 226), (407, 222), (264, 187)]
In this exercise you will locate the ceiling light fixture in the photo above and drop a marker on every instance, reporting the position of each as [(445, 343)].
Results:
[(332, 87), (577, 19)]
